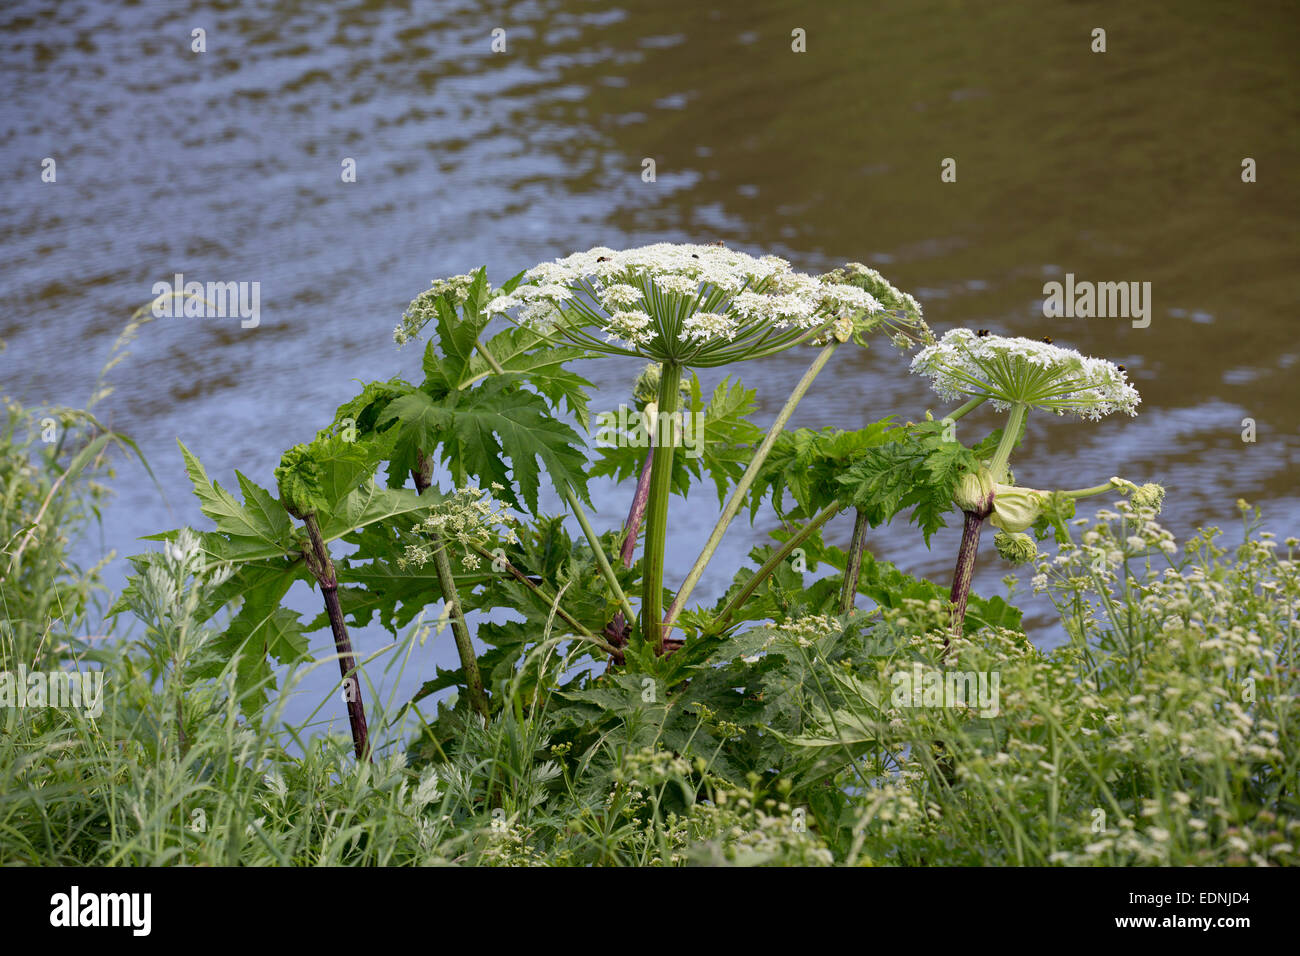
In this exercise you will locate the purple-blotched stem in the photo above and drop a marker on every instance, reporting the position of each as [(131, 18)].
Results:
[(974, 523), (961, 576), (323, 568), (853, 568), (616, 630)]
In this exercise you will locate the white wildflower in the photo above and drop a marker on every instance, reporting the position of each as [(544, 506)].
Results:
[(1013, 371), (694, 305)]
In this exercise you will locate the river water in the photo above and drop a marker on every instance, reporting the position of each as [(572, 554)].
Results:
[(224, 165)]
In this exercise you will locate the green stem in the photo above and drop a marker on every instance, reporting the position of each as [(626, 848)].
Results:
[(421, 474), (602, 559), (1089, 492), (1010, 435), (742, 489), (970, 406), (853, 568), (772, 563), (487, 356), (656, 518), (459, 626)]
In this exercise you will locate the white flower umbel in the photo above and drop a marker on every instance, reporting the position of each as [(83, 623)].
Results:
[(469, 517), (1016, 374), (1020, 371), (697, 306)]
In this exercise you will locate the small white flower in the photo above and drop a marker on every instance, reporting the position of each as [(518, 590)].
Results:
[(736, 306)]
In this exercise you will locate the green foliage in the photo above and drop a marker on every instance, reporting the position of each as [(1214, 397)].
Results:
[(808, 464), (725, 438), (1171, 706), (706, 756), (254, 540), (477, 433), (918, 466), (50, 491)]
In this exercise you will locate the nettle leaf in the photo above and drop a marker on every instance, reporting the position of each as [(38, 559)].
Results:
[(479, 431)]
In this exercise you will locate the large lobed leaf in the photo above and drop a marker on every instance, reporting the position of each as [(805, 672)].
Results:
[(482, 430)]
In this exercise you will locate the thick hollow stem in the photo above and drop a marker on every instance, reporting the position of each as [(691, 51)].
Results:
[(656, 517), (742, 488), (1010, 435), (329, 586), (961, 577), (966, 409), (853, 568), (616, 630)]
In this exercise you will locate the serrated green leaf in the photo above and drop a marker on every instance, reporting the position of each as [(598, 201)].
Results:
[(483, 429), (251, 527)]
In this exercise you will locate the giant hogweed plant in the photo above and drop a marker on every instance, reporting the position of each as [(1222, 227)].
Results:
[(730, 683)]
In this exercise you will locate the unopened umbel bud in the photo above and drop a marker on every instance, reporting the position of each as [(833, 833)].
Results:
[(1016, 548), (974, 492)]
